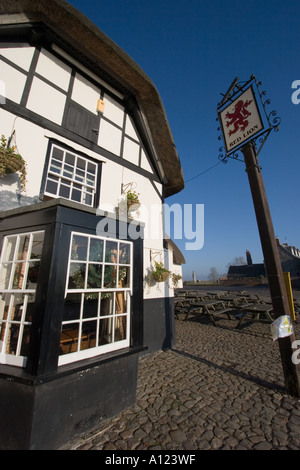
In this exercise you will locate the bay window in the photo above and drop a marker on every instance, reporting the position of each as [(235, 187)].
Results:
[(96, 313), (19, 268)]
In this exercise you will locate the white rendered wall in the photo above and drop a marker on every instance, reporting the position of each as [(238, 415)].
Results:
[(32, 145), (49, 101)]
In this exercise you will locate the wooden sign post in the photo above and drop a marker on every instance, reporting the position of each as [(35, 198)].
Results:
[(273, 265), (242, 124)]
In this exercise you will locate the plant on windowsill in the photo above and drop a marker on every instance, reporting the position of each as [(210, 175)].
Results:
[(159, 273), (12, 162)]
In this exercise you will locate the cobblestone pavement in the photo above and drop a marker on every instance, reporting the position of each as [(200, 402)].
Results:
[(218, 388)]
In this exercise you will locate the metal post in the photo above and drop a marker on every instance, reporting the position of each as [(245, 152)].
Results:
[(273, 265)]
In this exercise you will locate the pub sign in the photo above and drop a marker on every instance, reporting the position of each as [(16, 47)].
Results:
[(240, 120)]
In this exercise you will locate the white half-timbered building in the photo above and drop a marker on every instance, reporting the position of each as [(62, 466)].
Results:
[(77, 307)]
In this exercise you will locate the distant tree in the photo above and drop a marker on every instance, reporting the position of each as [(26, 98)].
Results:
[(237, 261), (213, 274)]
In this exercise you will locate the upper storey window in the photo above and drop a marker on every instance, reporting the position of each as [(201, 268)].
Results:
[(71, 176)]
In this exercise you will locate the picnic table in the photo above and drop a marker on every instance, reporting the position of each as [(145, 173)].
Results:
[(234, 300), (208, 307), (256, 310), (217, 294), (181, 304)]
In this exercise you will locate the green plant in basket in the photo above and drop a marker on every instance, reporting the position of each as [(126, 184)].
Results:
[(12, 162), (160, 273), (132, 199)]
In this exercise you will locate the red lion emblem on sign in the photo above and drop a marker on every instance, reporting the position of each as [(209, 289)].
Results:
[(239, 117)]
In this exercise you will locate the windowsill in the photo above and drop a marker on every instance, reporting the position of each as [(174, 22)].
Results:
[(17, 374)]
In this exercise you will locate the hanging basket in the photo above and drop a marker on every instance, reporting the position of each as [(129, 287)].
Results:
[(160, 274), (132, 202), (11, 162), (132, 199), (161, 277)]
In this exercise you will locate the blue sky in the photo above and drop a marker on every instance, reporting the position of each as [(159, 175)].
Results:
[(192, 50)]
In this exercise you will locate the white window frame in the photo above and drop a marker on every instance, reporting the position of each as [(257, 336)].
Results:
[(12, 292), (73, 181), (114, 345)]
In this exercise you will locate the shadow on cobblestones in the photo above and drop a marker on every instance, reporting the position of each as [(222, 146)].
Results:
[(233, 371)]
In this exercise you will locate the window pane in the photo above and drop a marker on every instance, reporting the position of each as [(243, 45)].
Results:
[(72, 307), (19, 275), (96, 250), (51, 186), (79, 248), (124, 276), (124, 253), (25, 341), (107, 307), (5, 272), (105, 331), (81, 164), (64, 190), (32, 275), (17, 308), (111, 252), (12, 339), (55, 166), (9, 249), (90, 179), (121, 304), (76, 195), (57, 153), (88, 335), (88, 199), (94, 280), (91, 168), (110, 277), (4, 306), (68, 171), (30, 307), (76, 276), (120, 328), (2, 336), (69, 338), (70, 159), (37, 246), (23, 247), (90, 306)]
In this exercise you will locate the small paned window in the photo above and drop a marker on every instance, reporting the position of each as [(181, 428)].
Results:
[(71, 176), (96, 316), (19, 268)]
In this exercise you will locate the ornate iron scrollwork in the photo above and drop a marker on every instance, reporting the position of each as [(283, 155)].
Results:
[(272, 120)]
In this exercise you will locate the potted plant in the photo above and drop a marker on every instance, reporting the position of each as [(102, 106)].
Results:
[(132, 199), (12, 162), (176, 278), (160, 273)]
